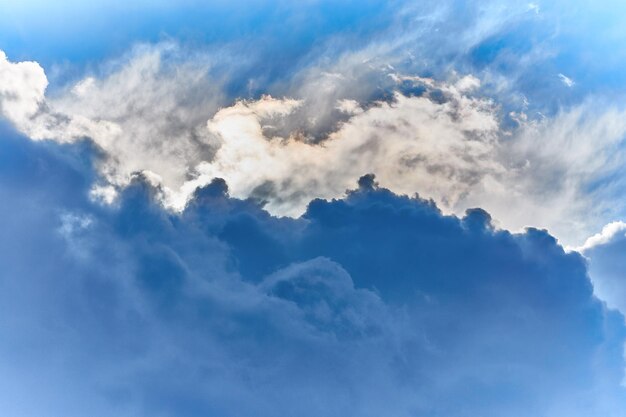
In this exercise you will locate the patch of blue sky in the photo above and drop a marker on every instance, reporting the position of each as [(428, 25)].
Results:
[(72, 34)]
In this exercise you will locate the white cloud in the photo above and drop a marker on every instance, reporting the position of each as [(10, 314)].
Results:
[(22, 88), (608, 233), (350, 107), (453, 151), (552, 164), (412, 144), (568, 82), (607, 264), (148, 113)]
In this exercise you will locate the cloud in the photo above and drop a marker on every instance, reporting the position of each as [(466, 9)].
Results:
[(609, 232), (422, 83), (442, 139), (371, 304), (563, 171), (447, 145), (412, 143), (21, 90), (568, 82), (605, 252), (146, 114)]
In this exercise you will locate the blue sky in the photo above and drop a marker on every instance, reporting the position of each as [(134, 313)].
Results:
[(318, 208)]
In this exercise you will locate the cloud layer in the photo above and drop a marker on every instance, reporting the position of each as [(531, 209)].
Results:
[(145, 266), (372, 304)]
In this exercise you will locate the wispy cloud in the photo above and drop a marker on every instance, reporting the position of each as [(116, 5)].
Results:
[(568, 82)]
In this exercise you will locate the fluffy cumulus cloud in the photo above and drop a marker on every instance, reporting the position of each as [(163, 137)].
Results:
[(372, 304)]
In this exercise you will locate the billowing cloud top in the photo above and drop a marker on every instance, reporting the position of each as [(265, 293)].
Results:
[(271, 209)]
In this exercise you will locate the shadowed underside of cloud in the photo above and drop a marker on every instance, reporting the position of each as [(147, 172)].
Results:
[(373, 304)]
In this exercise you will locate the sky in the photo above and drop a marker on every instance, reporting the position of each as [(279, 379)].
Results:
[(315, 208)]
